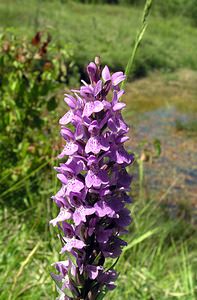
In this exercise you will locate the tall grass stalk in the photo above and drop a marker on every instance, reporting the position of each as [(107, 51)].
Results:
[(139, 36)]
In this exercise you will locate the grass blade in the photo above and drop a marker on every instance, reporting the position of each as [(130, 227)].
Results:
[(140, 239), (24, 263)]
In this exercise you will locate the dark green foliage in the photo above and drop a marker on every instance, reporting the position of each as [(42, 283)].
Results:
[(163, 7), (191, 11), (30, 73), (186, 8), (132, 2)]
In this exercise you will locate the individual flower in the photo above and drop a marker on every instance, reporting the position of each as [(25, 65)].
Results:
[(96, 143), (81, 213)]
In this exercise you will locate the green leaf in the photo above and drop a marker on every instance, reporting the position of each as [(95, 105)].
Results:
[(102, 295), (52, 104)]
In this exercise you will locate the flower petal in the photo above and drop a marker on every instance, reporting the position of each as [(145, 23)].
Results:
[(117, 78), (102, 209), (98, 88), (67, 118), (106, 74), (71, 101), (118, 106), (88, 109), (72, 243), (64, 214), (98, 106), (70, 148), (80, 214)]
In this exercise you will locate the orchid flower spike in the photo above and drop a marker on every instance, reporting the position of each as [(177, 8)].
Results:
[(95, 185)]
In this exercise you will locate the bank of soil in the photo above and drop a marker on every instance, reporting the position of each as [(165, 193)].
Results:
[(164, 107)]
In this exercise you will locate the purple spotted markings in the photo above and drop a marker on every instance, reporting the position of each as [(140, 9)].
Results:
[(95, 185)]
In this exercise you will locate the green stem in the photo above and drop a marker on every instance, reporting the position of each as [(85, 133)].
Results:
[(139, 36)]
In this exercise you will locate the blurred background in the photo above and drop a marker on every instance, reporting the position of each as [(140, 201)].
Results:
[(45, 46)]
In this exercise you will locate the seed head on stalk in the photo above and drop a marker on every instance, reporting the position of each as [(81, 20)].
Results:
[(95, 184)]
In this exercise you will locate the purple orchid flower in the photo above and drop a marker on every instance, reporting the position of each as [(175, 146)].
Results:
[(95, 186), (96, 176)]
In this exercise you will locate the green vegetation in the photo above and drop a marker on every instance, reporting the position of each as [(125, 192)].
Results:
[(109, 31), (159, 259), (30, 74), (159, 262), (168, 7)]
